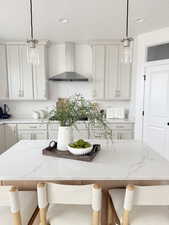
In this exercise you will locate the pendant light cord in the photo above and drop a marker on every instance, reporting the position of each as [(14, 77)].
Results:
[(31, 13), (127, 20)]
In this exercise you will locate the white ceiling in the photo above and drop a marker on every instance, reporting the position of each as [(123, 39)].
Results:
[(89, 19)]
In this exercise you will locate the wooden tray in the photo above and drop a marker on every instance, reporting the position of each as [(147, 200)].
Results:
[(49, 151)]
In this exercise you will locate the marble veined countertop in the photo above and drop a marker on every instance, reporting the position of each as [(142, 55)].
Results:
[(121, 160)]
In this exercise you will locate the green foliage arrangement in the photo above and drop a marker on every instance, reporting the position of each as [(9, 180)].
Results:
[(69, 112), (80, 144)]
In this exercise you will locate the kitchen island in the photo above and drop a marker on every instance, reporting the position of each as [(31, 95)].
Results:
[(117, 164), (121, 160)]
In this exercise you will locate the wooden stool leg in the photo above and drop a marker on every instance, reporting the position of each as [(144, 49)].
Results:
[(43, 220), (125, 218), (17, 218), (96, 218), (109, 213)]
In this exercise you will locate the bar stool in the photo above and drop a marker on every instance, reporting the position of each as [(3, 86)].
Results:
[(138, 205), (69, 204), (17, 208)]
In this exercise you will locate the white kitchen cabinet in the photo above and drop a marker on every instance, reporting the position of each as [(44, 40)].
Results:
[(111, 78), (3, 73), (99, 71), (53, 134), (2, 139), (53, 131), (32, 135), (11, 137), (39, 75), (32, 131), (26, 81), (20, 77)]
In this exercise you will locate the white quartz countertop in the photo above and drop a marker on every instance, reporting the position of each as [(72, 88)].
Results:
[(29, 120), (122, 160)]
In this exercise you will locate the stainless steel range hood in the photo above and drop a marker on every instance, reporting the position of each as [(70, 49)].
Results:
[(69, 74)]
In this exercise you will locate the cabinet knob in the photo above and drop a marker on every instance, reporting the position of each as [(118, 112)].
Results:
[(168, 124)]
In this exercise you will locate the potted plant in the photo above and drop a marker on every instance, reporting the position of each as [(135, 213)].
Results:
[(70, 111)]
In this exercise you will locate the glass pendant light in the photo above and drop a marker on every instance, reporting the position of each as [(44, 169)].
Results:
[(127, 42), (32, 52)]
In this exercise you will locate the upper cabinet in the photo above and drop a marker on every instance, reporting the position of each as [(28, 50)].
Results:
[(39, 75), (3, 73), (26, 82), (111, 77), (20, 77)]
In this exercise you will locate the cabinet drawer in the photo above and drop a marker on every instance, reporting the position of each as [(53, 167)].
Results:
[(54, 126), (123, 126), (32, 126), (82, 126)]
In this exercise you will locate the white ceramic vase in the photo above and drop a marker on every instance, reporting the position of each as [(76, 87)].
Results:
[(65, 137)]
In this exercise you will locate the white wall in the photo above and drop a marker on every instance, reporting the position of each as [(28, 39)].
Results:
[(143, 41), (56, 64)]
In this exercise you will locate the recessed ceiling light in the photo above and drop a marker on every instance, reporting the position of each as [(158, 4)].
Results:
[(63, 20), (139, 20)]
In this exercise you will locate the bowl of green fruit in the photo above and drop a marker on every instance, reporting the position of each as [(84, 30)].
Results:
[(80, 147)]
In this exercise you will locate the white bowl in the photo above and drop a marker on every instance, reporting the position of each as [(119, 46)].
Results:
[(80, 151)]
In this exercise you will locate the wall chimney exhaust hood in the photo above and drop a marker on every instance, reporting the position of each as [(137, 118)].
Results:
[(69, 74)]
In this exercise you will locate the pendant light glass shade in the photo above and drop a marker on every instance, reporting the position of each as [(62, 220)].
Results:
[(33, 55), (127, 52)]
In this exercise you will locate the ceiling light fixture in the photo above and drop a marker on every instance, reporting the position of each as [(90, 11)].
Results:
[(63, 20), (33, 54), (127, 41)]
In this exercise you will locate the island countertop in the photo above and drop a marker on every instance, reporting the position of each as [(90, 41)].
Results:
[(121, 160)]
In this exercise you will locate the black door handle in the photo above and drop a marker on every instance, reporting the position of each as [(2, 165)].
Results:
[(167, 124)]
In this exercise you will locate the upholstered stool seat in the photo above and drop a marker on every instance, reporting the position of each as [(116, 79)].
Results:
[(27, 205), (153, 212), (69, 214)]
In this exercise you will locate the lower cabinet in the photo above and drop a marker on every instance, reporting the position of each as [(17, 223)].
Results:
[(2, 139), (32, 135), (11, 136)]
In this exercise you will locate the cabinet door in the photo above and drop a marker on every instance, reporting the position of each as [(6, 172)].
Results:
[(80, 134), (10, 135), (99, 71), (2, 139), (32, 135), (24, 135), (19, 73), (14, 80), (124, 135), (39, 135), (124, 79), (3, 73), (26, 77), (112, 72), (39, 75)]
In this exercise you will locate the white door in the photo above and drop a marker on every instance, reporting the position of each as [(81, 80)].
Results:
[(156, 116)]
